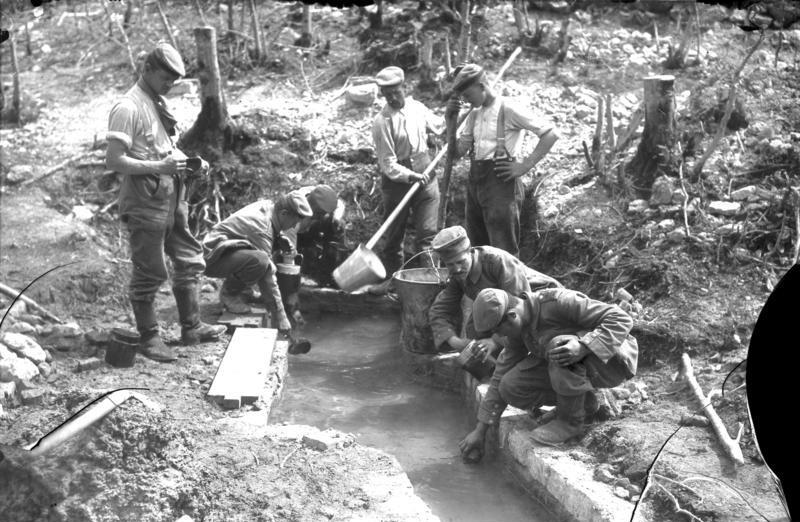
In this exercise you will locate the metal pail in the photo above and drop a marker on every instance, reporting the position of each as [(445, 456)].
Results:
[(417, 288), (363, 267)]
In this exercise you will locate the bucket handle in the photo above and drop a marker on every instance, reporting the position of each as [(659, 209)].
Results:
[(429, 252)]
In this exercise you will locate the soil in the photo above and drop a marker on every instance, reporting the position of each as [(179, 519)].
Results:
[(699, 294)]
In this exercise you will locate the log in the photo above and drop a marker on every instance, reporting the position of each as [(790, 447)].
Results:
[(256, 30), (207, 131), (730, 445), (10, 292), (654, 154), (15, 100)]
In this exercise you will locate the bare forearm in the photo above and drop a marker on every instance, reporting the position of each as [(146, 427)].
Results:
[(546, 142), (133, 166)]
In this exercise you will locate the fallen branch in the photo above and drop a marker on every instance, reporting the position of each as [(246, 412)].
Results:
[(283, 462), (10, 292), (723, 124), (677, 506), (731, 446), (52, 170), (685, 195)]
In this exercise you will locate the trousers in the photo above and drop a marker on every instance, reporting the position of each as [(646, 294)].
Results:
[(493, 208), (423, 209)]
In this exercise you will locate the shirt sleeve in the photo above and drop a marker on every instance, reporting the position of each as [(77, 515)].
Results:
[(608, 324), (507, 275), (123, 122), (445, 312), (492, 406), (434, 123), (521, 117), (385, 152)]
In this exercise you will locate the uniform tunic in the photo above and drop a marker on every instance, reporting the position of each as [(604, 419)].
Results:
[(524, 378), (491, 268)]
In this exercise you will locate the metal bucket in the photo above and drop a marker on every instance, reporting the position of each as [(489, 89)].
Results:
[(121, 351), (417, 288), (362, 268), (288, 276)]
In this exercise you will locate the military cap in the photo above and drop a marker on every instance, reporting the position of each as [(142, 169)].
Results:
[(450, 242), (324, 198), (468, 75), (390, 76), (296, 202), (488, 309), (169, 58)]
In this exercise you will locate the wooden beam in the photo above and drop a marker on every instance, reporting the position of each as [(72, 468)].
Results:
[(243, 370)]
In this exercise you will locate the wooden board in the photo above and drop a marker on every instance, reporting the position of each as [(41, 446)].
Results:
[(244, 368)]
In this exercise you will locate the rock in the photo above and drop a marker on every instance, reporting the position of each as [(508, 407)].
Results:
[(17, 370), (92, 363), (82, 213), (45, 369), (98, 337), (67, 330), (676, 234), (622, 493), (21, 327), (743, 193), (19, 173), (63, 344), (724, 208), (30, 318), (666, 224), (32, 397), (48, 356), (621, 393), (634, 489), (7, 391), (208, 289), (623, 295), (5, 353), (730, 228), (563, 190), (319, 441), (185, 518), (24, 346), (637, 206), (603, 473), (662, 191), (364, 94), (209, 360), (45, 330), (18, 309)]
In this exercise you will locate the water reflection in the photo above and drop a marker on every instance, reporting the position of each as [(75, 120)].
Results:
[(353, 380)]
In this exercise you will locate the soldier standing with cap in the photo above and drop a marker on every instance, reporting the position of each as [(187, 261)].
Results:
[(561, 345), (400, 132), (471, 269), (240, 250), (152, 203), (493, 132)]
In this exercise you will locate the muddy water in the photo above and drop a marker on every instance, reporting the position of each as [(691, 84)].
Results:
[(353, 381)]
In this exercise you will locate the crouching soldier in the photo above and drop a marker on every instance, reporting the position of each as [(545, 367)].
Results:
[(470, 270), (560, 346), (240, 250)]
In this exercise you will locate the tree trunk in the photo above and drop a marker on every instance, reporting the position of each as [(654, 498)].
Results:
[(28, 49), (466, 29), (230, 14), (654, 155), (200, 12), (256, 30), (126, 19), (243, 17), (15, 101), (167, 27), (426, 62), (206, 135)]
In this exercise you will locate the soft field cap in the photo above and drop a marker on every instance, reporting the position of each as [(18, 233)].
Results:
[(390, 76), (298, 203), (468, 75), (168, 57), (450, 242), (324, 198), (489, 308)]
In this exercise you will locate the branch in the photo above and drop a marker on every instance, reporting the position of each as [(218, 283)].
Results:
[(730, 445), (677, 506), (698, 167), (10, 292), (49, 172)]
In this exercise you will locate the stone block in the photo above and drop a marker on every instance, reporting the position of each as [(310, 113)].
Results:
[(21, 327), (67, 330), (24, 346), (45, 369), (7, 391), (92, 363), (724, 208), (638, 205), (17, 370), (32, 397), (319, 441), (603, 473)]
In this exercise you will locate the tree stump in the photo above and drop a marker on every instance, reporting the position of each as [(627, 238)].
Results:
[(207, 134), (654, 156)]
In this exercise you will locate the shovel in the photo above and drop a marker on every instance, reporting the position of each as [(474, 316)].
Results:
[(363, 267)]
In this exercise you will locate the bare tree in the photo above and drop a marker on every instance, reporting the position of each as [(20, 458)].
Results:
[(256, 30)]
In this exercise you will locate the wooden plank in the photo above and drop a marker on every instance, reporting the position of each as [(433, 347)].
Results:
[(243, 368)]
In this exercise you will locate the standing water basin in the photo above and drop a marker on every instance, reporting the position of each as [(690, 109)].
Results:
[(355, 380)]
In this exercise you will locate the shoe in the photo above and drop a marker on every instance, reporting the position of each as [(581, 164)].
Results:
[(556, 432), (150, 343), (591, 405), (193, 330), (233, 301)]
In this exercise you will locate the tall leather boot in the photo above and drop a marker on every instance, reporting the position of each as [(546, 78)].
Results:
[(231, 296), (568, 424), (591, 407), (193, 330), (150, 343)]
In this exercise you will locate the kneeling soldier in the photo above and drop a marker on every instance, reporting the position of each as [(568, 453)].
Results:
[(560, 346), (240, 250)]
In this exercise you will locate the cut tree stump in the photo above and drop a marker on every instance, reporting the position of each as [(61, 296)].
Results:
[(244, 368), (654, 155), (257, 318)]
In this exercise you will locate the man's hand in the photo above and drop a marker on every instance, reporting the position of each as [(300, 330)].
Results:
[(509, 170), (486, 348), (457, 343), (413, 178), (474, 442), (453, 107), (566, 350), (170, 166)]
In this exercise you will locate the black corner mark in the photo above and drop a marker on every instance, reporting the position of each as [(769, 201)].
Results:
[(4, 35)]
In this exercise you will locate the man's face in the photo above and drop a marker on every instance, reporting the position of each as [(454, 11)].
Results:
[(510, 326), (475, 95), (395, 96), (160, 80), (288, 219), (459, 266)]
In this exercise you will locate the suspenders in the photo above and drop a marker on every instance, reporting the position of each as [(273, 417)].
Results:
[(500, 151)]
